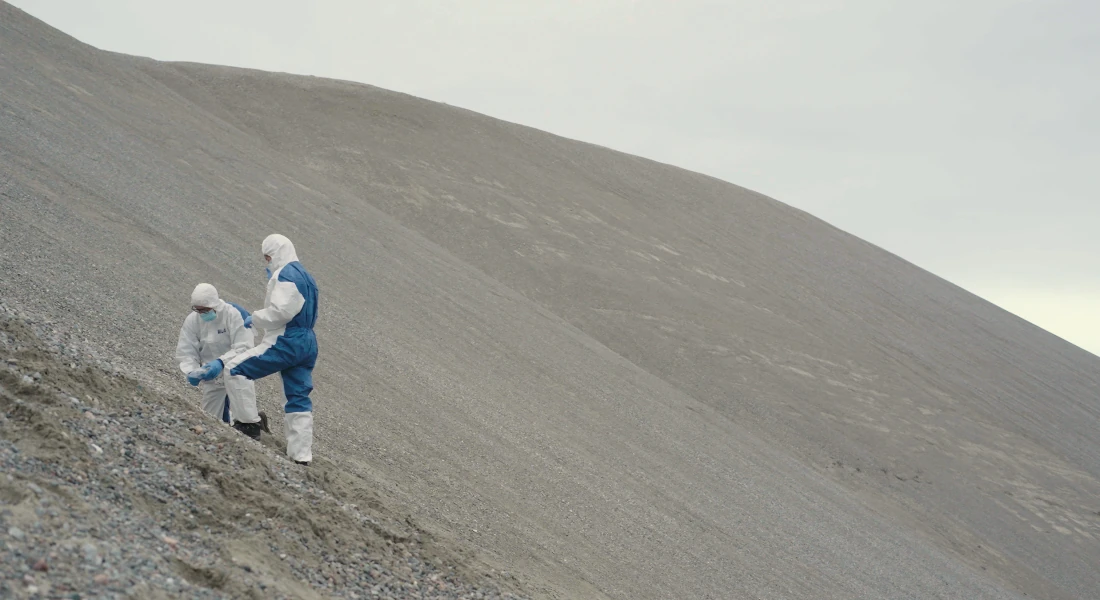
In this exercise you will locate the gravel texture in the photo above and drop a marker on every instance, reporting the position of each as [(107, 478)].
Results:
[(110, 490), (607, 376)]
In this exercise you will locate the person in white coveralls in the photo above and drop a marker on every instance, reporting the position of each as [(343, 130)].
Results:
[(289, 346), (214, 332)]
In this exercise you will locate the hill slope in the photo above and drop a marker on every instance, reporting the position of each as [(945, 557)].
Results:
[(113, 489), (618, 378)]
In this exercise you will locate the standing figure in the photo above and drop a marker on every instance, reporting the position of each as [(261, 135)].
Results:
[(289, 345), (214, 332)]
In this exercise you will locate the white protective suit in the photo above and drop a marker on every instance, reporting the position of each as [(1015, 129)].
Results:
[(224, 337), (289, 346)]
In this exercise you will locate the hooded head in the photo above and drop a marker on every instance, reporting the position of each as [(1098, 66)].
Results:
[(280, 250), (205, 295)]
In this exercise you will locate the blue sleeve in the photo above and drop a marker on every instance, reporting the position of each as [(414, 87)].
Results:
[(240, 309)]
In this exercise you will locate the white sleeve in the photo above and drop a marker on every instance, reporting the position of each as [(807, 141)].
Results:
[(284, 304), (187, 349), (241, 338)]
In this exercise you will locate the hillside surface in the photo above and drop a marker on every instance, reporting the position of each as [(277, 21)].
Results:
[(113, 489), (611, 377)]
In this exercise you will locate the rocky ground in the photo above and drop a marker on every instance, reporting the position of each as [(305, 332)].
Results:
[(111, 489)]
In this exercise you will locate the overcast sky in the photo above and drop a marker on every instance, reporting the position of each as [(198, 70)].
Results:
[(959, 134)]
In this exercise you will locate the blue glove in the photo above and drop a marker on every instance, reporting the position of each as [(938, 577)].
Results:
[(194, 377), (248, 322), (212, 369)]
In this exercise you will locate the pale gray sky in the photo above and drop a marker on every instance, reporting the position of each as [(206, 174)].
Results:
[(959, 134)]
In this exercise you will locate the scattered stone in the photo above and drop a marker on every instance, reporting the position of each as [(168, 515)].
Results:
[(106, 528), (91, 554)]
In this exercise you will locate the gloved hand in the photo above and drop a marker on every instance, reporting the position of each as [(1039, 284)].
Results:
[(212, 369), (194, 377), (248, 322)]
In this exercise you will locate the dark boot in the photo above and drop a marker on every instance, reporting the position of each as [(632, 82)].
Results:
[(252, 430), (263, 421), (304, 463)]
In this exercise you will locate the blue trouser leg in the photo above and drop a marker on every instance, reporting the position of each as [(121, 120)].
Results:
[(297, 384), (225, 411), (294, 356), (278, 357)]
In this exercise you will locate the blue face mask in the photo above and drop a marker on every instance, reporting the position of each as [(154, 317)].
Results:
[(208, 316)]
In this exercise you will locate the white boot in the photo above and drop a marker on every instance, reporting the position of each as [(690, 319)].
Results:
[(299, 436)]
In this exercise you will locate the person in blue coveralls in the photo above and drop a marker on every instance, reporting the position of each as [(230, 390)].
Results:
[(216, 331), (289, 345)]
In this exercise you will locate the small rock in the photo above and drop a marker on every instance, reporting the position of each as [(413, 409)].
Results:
[(32, 589), (16, 533), (12, 362), (27, 380), (41, 565), (34, 488), (101, 579), (88, 415), (91, 553), (172, 542), (37, 376), (197, 429)]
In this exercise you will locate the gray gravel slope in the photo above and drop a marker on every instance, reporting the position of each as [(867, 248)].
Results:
[(111, 489), (618, 378)]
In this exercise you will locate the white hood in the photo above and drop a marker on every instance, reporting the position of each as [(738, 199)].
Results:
[(205, 295), (280, 249)]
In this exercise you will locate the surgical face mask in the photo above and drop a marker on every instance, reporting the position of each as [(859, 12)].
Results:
[(208, 316)]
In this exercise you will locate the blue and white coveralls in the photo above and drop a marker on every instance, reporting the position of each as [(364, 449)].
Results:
[(289, 346), (225, 397)]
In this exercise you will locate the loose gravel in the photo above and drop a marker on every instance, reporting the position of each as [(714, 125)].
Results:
[(113, 490)]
